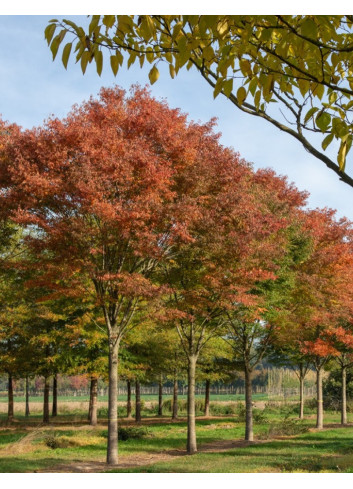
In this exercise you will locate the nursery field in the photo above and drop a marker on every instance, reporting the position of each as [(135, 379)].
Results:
[(282, 444)]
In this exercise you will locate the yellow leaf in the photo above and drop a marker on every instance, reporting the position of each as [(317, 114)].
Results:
[(153, 74), (241, 95)]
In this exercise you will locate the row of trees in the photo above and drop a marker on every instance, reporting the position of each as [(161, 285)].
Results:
[(125, 219)]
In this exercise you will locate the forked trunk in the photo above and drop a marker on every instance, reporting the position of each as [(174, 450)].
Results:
[(301, 402), (344, 396), (249, 433), (320, 407), (112, 448), (207, 398), (128, 404), (191, 441), (93, 393), (160, 397), (46, 400), (27, 412), (10, 398), (137, 402), (175, 399), (54, 411)]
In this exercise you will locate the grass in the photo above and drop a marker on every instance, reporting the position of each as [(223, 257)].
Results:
[(25, 447)]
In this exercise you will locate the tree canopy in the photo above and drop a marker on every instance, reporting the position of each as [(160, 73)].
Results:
[(299, 64)]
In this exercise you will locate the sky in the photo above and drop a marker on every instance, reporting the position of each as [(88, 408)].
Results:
[(33, 88)]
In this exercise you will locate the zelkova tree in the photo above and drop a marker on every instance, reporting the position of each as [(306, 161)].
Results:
[(301, 62), (98, 190), (321, 293), (235, 223)]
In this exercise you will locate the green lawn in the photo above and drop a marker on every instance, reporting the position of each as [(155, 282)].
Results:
[(24, 448)]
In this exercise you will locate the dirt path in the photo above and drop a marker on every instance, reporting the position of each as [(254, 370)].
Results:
[(139, 460)]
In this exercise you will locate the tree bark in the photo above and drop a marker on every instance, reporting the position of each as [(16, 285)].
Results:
[(301, 402), (191, 440), (128, 404), (54, 411), (249, 433), (137, 402), (207, 398), (112, 448), (175, 399), (93, 393), (344, 396), (46, 400), (160, 397), (10, 410), (320, 408), (27, 413)]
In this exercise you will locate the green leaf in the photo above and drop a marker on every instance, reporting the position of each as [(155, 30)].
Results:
[(228, 87), (341, 157), (66, 54), (98, 56), (108, 20), (241, 95), (153, 74), (84, 60), (328, 140), (172, 71), (218, 87), (323, 121), (310, 113), (114, 63), (49, 32), (55, 46)]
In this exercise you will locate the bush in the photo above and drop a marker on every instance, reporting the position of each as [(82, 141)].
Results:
[(131, 433), (54, 441), (258, 415), (217, 409), (286, 427), (103, 412)]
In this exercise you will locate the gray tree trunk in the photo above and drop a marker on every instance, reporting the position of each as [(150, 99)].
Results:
[(175, 399), (207, 397), (128, 404), (46, 400), (301, 402), (160, 397), (112, 448), (320, 407), (27, 413), (344, 396), (191, 440), (10, 410), (92, 414), (54, 411), (137, 402), (249, 433)]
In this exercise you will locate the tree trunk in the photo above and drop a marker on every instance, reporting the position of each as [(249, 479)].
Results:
[(160, 397), (128, 404), (46, 400), (191, 441), (175, 399), (301, 402), (137, 402), (320, 408), (27, 413), (344, 396), (93, 393), (54, 411), (249, 433), (10, 397), (207, 398), (112, 448)]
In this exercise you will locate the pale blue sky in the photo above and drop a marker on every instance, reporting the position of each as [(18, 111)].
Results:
[(33, 88)]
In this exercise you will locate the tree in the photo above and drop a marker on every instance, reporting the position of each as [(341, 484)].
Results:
[(98, 188), (302, 62)]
